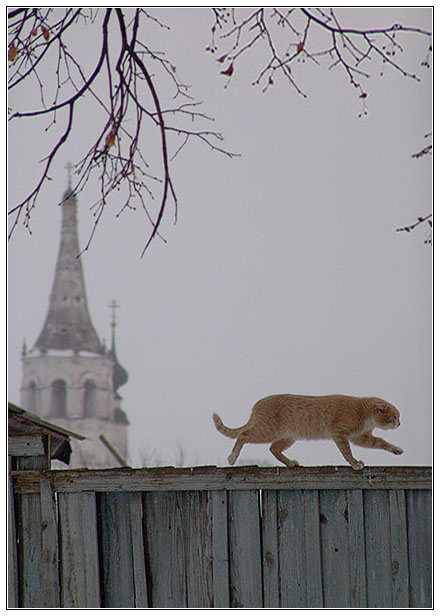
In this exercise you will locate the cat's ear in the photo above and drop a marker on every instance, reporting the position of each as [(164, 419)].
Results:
[(381, 407)]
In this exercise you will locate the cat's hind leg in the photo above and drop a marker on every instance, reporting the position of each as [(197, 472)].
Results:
[(343, 445), (278, 447), (236, 450)]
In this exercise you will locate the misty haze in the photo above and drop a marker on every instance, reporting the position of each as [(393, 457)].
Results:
[(283, 272)]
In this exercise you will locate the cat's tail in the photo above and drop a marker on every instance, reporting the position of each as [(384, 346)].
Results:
[(231, 432)]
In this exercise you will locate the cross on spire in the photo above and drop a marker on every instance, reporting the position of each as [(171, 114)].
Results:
[(113, 307), (69, 168)]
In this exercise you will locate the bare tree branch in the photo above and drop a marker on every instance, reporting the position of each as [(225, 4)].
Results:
[(424, 151), (136, 88), (290, 36), (113, 156), (420, 221)]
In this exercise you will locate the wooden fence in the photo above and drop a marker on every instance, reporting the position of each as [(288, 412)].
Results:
[(213, 537)]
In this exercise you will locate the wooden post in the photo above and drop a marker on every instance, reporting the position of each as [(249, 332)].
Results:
[(50, 547), (270, 552), (79, 550), (137, 540), (34, 455), (220, 558), (12, 546)]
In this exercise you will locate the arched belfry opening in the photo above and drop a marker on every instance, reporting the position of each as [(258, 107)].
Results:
[(58, 398), (89, 398), (32, 404)]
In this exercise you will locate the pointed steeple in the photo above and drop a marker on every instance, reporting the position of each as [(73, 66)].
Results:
[(68, 325)]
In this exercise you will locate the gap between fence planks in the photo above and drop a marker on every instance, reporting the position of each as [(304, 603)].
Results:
[(217, 478)]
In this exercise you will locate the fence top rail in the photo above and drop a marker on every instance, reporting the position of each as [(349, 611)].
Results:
[(217, 478)]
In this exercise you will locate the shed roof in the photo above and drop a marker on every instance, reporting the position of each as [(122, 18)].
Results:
[(22, 422), (18, 418)]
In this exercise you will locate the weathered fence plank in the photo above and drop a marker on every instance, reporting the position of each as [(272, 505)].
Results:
[(137, 538), (419, 505), (50, 553), (115, 548), (270, 557), (165, 557), (13, 577), (198, 548), (220, 555), (312, 549), (29, 526), (292, 551), (79, 550), (239, 478), (356, 546), (399, 548), (244, 550), (378, 549), (30, 554), (335, 549)]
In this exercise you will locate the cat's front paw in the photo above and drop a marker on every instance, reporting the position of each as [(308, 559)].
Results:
[(397, 451), (292, 463), (357, 465)]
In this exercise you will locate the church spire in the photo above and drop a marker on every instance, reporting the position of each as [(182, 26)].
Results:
[(68, 325)]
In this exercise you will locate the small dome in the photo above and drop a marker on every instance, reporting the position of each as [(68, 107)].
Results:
[(69, 195), (120, 374), (121, 417)]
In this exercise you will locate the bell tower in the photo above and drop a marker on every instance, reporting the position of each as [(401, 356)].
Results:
[(69, 377)]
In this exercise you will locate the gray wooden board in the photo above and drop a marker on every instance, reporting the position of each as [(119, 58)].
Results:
[(31, 464), (137, 538), (419, 512), (335, 549), (220, 557), (244, 549), (26, 445), (378, 549), (399, 548), (356, 546), (116, 554), (240, 478), (292, 550), (30, 551), (79, 550), (198, 548), (12, 546), (269, 535), (50, 553), (312, 549), (165, 550)]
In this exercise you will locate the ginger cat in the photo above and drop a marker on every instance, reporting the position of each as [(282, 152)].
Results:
[(283, 419)]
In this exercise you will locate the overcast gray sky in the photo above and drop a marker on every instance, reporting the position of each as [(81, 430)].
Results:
[(284, 272)]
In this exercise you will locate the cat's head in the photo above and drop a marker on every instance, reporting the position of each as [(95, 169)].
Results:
[(386, 415)]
